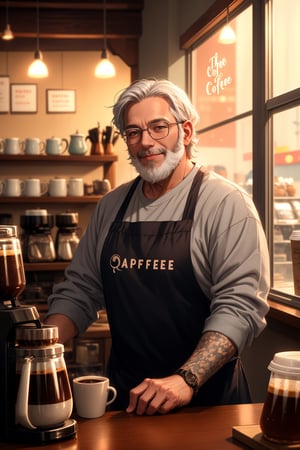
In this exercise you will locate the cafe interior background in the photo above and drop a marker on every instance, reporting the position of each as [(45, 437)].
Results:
[(246, 91)]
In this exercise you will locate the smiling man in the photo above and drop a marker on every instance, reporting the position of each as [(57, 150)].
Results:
[(179, 259)]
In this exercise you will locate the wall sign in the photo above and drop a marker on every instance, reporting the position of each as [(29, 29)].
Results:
[(23, 98), (4, 94), (61, 101)]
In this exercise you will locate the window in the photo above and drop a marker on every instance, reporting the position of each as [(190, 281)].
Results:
[(248, 98), (283, 126), (222, 94)]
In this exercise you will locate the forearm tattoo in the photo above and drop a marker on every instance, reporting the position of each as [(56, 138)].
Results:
[(212, 352)]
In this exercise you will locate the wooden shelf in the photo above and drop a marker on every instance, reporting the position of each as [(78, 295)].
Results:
[(45, 267), (47, 199), (74, 159)]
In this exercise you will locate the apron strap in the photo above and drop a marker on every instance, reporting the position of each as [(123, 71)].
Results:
[(126, 201), (188, 213)]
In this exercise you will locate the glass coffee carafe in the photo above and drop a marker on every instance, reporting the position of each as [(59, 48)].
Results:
[(44, 397), (12, 276)]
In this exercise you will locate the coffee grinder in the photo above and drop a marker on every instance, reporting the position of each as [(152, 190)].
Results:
[(13, 315)]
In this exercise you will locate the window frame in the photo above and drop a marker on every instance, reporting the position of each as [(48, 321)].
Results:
[(262, 109)]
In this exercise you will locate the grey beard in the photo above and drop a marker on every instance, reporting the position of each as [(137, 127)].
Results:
[(156, 174)]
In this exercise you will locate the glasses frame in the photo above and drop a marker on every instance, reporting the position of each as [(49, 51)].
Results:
[(141, 131)]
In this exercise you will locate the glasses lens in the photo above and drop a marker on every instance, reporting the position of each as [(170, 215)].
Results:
[(133, 135), (158, 130)]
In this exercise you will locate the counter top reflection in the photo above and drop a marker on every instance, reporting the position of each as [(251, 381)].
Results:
[(188, 428)]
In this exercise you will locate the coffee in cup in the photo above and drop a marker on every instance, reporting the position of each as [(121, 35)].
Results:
[(91, 395)]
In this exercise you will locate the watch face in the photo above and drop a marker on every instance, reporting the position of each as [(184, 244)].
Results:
[(191, 378)]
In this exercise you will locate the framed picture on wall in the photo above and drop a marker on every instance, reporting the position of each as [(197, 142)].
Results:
[(4, 94), (61, 100), (23, 98)]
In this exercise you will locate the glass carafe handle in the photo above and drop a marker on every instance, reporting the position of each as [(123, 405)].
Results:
[(22, 417)]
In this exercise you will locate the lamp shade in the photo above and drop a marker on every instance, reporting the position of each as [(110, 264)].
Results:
[(105, 68), (37, 68), (7, 33), (227, 35)]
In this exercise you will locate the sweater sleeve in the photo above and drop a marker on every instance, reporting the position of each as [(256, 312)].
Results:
[(231, 262)]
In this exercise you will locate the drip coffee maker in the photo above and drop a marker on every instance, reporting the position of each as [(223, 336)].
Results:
[(38, 245), (17, 347), (67, 238)]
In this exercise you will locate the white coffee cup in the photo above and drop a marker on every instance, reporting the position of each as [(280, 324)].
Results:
[(56, 146), (12, 146), (33, 146), (58, 187), (33, 187), (75, 187), (11, 187), (90, 394)]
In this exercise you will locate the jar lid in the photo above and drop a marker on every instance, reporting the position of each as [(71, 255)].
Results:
[(41, 352), (36, 221), (286, 363), (31, 336), (36, 212), (8, 231), (67, 219)]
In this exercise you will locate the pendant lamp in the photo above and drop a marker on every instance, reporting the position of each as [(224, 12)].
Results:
[(105, 68), (227, 35), (7, 34), (37, 68)]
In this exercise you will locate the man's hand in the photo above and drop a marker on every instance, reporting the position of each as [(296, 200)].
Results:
[(159, 395)]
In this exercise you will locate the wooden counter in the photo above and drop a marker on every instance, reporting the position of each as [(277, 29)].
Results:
[(186, 429)]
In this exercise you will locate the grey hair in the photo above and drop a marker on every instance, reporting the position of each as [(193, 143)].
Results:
[(180, 104)]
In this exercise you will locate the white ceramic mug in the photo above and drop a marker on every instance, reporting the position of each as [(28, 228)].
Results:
[(58, 187), (33, 146), (90, 394), (11, 146), (75, 187), (56, 146), (11, 187), (33, 187)]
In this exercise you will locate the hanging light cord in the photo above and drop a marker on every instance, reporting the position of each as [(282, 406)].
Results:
[(37, 26), (104, 24), (6, 11)]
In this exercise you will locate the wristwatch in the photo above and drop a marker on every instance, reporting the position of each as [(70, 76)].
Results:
[(190, 379)]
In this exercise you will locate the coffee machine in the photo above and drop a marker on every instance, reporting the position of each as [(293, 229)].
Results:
[(12, 316)]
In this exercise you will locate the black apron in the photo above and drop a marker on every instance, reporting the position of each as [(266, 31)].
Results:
[(155, 307)]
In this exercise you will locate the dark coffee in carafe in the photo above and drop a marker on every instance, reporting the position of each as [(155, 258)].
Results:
[(280, 417), (47, 388), (12, 277)]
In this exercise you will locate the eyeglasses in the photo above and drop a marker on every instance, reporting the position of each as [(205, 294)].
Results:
[(156, 130)]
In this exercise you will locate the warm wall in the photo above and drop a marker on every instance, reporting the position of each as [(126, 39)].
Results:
[(68, 70), (94, 97)]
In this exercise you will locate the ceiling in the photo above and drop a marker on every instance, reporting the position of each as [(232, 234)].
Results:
[(74, 25)]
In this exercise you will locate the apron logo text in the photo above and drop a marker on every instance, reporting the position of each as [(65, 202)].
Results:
[(118, 264)]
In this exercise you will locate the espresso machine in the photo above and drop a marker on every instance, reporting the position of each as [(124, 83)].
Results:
[(15, 317)]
